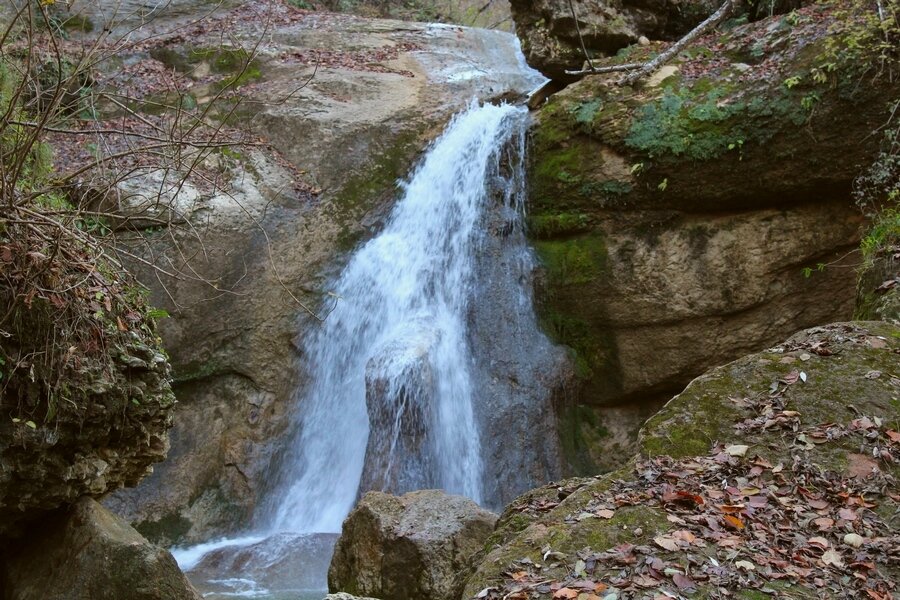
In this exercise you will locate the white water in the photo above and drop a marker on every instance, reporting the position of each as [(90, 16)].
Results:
[(403, 297)]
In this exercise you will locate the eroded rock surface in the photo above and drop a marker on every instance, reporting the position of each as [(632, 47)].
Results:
[(412, 546), (88, 553), (818, 411)]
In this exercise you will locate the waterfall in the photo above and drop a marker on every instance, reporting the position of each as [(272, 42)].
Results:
[(429, 372), (396, 348)]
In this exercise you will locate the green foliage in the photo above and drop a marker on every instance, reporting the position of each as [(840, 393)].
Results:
[(684, 122), (863, 37)]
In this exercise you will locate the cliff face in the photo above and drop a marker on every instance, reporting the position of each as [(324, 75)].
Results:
[(702, 214)]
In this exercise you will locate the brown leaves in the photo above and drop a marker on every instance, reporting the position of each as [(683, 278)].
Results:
[(754, 521)]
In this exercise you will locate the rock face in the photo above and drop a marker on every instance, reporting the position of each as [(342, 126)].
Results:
[(87, 553), (408, 547), (675, 221), (103, 429), (550, 34), (817, 411), (281, 229)]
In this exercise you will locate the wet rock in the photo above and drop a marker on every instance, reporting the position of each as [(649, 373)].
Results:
[(344, 596), (396, 548), (399, 401), (284, 561), (87, 553)]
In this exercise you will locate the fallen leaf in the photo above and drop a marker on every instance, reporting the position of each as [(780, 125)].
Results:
[(736, 450), (745, 565), (683, 581), (847, 514), (824, 523), (860, 466), (734, 522), (832, 557), (565, 594), (605, 513), (666, 543), (819, 541)]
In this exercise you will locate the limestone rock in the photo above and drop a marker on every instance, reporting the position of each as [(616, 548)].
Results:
[(412, 546), (672, 242), (87, 553), (400, 404), (835, 374), (109, 425), (344, 596)]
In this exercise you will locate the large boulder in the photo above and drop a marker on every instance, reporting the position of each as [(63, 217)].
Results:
[(699, 217), (773, 474), (412, 546), (87, 553)]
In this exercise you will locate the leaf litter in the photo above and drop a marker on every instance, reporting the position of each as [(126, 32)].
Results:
[(742, 524)]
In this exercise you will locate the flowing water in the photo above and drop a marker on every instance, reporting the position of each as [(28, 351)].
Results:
[(396, 373)]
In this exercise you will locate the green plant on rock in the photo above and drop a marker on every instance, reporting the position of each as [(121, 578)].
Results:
[(864, 37)]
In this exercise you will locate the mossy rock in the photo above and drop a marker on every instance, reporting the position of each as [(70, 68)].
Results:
[(781, 403)]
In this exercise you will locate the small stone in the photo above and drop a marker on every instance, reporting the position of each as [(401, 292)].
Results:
[(643, 41)]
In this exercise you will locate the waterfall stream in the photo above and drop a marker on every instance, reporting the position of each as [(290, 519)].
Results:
[(400, 384), (397, 339)]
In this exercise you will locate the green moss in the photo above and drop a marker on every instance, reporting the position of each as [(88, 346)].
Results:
[(550, 226), (703, 121), (196, 370), (374, 183), (573, 261), (580, 430)]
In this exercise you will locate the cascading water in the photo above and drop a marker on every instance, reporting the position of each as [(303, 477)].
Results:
[(395, 349), (432, 342)]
